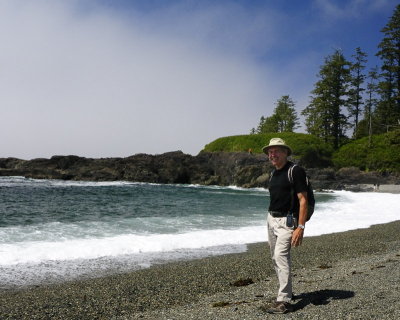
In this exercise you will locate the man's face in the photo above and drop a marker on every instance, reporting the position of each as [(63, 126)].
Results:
[(277, 156)]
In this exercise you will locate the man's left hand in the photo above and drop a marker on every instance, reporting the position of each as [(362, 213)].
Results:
[(297, 237)]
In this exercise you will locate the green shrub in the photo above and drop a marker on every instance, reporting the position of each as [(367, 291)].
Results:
[(382, 155), (308, 150)]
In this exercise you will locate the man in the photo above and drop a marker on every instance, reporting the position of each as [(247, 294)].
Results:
[(284, 229)]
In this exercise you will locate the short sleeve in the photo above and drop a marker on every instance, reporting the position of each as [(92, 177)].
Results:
[(299, 179)]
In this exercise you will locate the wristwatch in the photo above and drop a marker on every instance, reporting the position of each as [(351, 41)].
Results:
[(301, 226)]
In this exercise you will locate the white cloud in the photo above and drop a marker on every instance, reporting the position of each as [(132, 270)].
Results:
[(95, 84)]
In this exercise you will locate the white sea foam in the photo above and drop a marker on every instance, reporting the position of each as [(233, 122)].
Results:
[(350, 211), (128, 244), (17, 180)]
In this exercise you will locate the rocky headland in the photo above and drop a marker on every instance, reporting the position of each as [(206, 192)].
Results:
[(207, 168)]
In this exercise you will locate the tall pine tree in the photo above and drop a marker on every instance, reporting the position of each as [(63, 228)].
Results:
[(355, 100), (286, 114), (324, 115), (388, 109), (372, 90), (284, 118)]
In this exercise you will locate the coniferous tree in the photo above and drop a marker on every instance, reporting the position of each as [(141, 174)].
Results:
[(284, 118), (324, 116), (286, 114), (270, 124), (355, 98), (368, 125), (261, 124), (372, 90), (388, 109)]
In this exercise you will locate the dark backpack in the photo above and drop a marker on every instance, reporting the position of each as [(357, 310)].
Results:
[(310, 193)]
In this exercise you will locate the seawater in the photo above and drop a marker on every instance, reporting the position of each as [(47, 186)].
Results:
[(60, 230)]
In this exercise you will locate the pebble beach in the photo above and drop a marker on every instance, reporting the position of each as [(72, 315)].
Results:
[(348, 275)]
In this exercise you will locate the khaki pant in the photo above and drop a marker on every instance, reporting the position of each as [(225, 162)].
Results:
[(279, 239)]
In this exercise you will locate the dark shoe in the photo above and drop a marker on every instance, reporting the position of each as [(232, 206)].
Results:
[(280, 307)]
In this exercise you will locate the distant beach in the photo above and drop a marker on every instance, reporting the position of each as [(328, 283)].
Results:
[(347, 275), (382, 188), (390, 188)]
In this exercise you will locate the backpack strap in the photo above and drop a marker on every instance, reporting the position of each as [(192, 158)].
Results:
[(290, 174), (291, 181), (272, 173)]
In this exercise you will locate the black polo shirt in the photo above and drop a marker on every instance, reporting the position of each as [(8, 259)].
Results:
[(280, 189)]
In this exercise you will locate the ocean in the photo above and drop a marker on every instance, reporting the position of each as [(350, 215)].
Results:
[(53, 231)]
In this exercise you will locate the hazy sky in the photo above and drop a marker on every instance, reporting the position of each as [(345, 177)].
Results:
[(112, 78)]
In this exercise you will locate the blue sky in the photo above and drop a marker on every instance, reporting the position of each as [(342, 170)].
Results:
[(108, 78)]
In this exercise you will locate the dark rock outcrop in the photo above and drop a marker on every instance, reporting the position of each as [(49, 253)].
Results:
[(217, 168)]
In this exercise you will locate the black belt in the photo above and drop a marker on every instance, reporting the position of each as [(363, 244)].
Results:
[(278, 214)]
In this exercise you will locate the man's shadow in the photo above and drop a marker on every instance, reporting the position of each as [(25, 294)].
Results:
[(320, 297)]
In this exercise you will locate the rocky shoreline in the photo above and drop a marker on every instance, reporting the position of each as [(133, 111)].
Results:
[(347, 275), (240, 169)]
